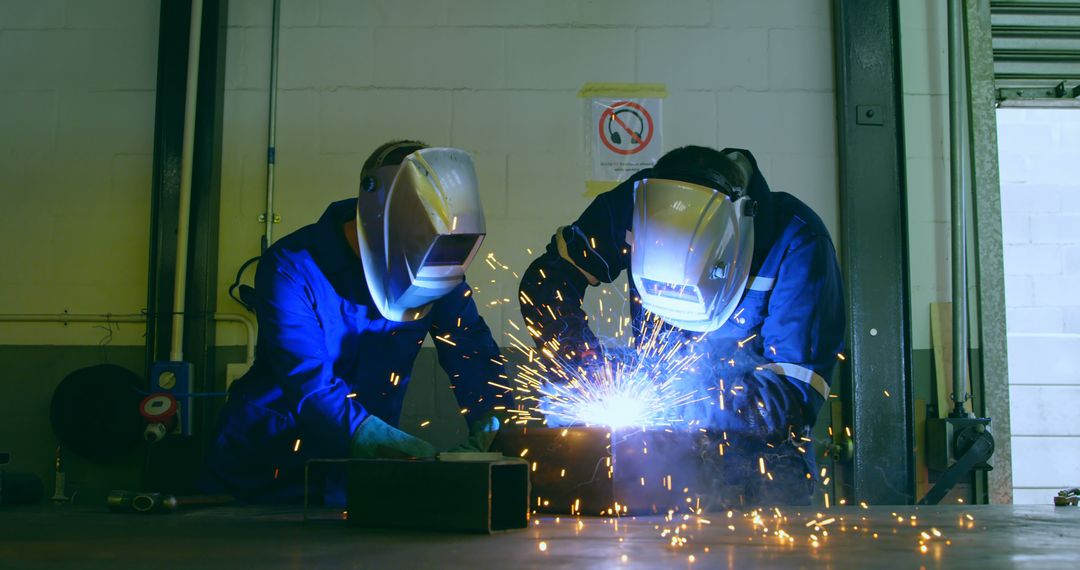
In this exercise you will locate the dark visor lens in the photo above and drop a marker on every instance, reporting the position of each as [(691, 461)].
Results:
[(451, 249), (671, 290)]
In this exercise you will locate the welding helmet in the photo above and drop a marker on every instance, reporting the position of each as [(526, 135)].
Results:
[(693, 241), (419, 224)]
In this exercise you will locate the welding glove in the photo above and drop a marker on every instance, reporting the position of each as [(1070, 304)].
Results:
[(482, 433), (764, 405), (376, 439), (599, 356), (579, 358), (615, 355)]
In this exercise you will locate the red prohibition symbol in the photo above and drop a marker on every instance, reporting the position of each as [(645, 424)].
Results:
[(626, 119)]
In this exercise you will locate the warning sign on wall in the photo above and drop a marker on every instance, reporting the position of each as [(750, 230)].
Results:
[(623, 130)]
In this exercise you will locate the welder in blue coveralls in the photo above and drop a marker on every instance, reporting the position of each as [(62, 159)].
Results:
[(343, 307), (747, 275)]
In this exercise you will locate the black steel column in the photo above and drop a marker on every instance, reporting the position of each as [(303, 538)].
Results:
[(164, 198), (172, 464), (874, 248)]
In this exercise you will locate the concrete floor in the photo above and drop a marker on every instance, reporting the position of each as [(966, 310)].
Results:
[(993, 537)]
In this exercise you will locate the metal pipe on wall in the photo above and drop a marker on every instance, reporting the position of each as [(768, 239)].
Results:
[(960, 182), (249, 326), (271, 146), (176, 350), (71, 318)]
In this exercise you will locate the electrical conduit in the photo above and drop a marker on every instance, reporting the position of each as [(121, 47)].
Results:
[(176, 352), (271, 140), (960, 181), (249, 326)]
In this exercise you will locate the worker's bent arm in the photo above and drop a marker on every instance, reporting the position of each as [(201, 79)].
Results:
[(469, 355), (590, 251), (800, 341), (292, 340)]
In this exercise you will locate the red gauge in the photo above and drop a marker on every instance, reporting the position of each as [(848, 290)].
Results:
[(159, 408)]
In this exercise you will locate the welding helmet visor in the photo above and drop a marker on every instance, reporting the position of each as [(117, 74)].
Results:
[(419, 225), (693, 241)]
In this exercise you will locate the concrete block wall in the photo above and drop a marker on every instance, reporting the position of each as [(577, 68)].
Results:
[(77, 115), (77, 83), (77, 94), (500, 79), (502, 83), (1039, 153)]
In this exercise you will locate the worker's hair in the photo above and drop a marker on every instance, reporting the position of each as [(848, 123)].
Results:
[(390, 154), (696, 158)]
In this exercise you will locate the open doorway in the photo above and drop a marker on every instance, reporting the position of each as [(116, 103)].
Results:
[(1039, 154)]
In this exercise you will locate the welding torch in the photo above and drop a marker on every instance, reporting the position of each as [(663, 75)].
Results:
[(127, 501)]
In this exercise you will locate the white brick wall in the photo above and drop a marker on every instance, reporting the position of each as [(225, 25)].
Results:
[(500, 78), (77, 83), (1053, 463), (1040, 187), (1044, 358)]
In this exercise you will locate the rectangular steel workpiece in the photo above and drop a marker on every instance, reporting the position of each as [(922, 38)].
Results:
[(463, 496), (590, 470)]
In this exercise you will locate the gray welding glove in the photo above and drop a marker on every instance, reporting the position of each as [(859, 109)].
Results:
[(376, 439), (482, 433)]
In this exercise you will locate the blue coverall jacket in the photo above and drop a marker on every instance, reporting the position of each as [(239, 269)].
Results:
[(326, 359), (771, 362)]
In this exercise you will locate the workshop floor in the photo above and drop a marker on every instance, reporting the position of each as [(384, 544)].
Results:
[(986, 537)]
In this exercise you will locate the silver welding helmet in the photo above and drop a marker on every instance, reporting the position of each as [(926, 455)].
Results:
[(419, 224), (693, 241)]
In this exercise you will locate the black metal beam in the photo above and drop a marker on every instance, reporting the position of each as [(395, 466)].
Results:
[(199, 330), (165, 192), (874, 248), (173, 463)]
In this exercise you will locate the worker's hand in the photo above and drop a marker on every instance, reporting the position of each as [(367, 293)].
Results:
[(618, 355), (376, 439), (579, 360), (482, 433), (763, 406), (600, 360), (578, 348)]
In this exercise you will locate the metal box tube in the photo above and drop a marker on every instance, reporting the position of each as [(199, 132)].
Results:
[(463, 496), (593, 471)]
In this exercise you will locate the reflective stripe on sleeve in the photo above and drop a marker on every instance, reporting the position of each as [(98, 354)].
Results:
[(560, 244), (759, 283), (802, 374)]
